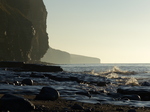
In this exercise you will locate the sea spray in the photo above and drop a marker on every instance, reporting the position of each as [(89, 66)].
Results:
[(112, 75), (132, 82)]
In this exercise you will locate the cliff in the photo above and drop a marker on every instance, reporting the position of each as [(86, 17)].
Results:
[(23, 34), (78, 59), (56, 56), (62, 57)]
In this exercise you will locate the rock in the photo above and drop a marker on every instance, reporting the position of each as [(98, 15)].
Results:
[(11, 64), (131, 97), (77, 107), (86, 93), (23, 30), (37, 75), (17, 83), (27, 82), (145, 84), (41, 68), (143, 92), (131, 110), (48, 93), (15, 103), (101, 84), (120, 110)]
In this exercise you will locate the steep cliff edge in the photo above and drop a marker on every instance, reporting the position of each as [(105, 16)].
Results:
[(23, 34), (62, 57), (56, 56)]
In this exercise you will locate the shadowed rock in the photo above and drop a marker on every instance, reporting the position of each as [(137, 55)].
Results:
[(15, 103), (48, 93), (143, 92), (27, 82), (41, 68)]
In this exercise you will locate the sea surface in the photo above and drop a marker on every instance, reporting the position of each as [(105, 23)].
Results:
[(90, 83)]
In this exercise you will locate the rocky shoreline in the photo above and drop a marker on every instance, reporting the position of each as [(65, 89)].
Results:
[(62, 105), (48, 99)]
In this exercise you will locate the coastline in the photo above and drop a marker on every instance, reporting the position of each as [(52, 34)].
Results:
[(63, 105)]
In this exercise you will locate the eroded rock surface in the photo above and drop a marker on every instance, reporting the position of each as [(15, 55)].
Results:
[(23, 34)]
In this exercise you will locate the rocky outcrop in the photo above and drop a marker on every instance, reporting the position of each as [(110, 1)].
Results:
[(23, 34), (62, 57), (56, 56), (78, 59)]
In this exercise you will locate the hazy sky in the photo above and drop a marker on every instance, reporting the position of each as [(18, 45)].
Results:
[(116, 31)]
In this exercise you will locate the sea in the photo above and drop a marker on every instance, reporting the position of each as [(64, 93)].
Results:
[(88, 83)]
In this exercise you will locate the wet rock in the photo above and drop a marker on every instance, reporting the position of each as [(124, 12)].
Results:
[(145, 84), (48, 93), (17, 83), (131, 110), (27, 82), (131, 97), (114, 95), (86, 93), (41, 68), (120, 110), (101, 84), (77, 107), (37, 75), (143, 92), (11, 64), (15, 103)]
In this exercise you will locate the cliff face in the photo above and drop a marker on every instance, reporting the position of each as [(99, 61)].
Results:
[(62, 57), (78, 59), (56, 56), (23, 34)]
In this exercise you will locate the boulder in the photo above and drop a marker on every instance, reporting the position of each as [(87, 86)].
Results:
[(142, 91), (131, 97), (101, 83), (11, 64), (145, 83), (15, 103), (27, 82), (77, 107), (48, 93), (41, 68)]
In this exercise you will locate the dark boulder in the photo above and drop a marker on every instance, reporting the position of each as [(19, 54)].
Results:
[(132, 110), (102, 83), (27, 82), (131, 97), (41, 68), (145, 84), (15, 103), (11, 64), (142, 91), (77, 107), (48, 93)]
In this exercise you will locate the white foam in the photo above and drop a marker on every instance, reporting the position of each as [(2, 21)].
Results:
[(132, 81), (112, 75)]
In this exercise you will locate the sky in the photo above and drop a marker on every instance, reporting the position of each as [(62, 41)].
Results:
[(116, 31)]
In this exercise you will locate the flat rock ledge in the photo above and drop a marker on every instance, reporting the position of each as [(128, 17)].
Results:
[(21, 66), (143, 92)]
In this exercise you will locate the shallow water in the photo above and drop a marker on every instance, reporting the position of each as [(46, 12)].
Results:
[(85, 84)]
